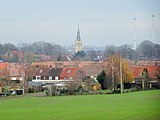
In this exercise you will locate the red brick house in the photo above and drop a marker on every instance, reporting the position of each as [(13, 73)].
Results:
[(16, 72), (152, 72), (40, 73), (74, 74)]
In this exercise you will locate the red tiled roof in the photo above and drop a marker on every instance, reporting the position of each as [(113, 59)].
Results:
[(41, 71), (4, 65), (146, 63), (48, 63), (16, 69), (68, 72), (137, 73), (82, 63), (3, 68), (91, 70)]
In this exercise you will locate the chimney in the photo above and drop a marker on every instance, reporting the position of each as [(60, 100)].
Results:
[(156, 63)]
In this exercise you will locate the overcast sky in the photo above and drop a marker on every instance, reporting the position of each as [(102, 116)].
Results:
[(101, 21)]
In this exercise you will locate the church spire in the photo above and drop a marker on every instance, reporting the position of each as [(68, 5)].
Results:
[(78, 33), (78, 42)]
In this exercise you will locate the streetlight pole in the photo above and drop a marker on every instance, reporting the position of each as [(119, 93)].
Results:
[(153, 28), (135, 34)]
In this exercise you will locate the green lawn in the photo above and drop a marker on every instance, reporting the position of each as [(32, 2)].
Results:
[(130, 106)]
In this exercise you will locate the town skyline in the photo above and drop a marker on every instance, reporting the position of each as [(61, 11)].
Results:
[(100, 23)]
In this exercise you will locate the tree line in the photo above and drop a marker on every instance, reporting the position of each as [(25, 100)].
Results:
[(29, 50), (42, 47), (147, 50)]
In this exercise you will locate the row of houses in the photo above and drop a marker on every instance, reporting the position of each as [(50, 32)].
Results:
[(63, 71), (47, 72)]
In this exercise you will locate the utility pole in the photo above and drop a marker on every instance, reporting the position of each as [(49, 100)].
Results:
[(112, 75), (121, 75)]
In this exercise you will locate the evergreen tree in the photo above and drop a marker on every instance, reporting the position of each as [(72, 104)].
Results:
[(102, 79)]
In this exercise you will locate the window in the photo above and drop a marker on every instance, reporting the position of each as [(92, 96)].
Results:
[(13, 78), (70, 78), (50, 77), (38, 77), (41, 71), (13, 72), (69, 71), (56, 77)]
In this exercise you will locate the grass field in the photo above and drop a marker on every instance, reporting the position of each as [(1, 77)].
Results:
[(130, 106)]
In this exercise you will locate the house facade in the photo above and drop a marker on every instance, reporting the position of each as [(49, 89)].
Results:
[(16, 72), (4, 73), (54, 73), (152, 75)]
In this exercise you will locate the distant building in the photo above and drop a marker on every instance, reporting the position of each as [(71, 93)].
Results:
[(16, 72), (78, 42), (152, 75)]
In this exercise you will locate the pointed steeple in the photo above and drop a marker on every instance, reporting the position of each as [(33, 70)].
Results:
[(78, 34), (78, 42)]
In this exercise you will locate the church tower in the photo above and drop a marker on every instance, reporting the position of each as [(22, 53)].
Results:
[(78, 42)]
